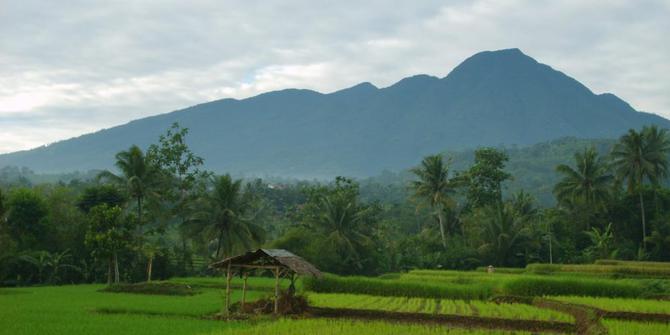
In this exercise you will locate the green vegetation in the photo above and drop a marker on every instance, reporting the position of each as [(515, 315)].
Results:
[(616, 327), (534, 286), (436, 306), (397, 288), (152, 228), (621, 305), (338, 327)]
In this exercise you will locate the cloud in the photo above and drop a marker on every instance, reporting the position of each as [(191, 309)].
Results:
[(77, 66)]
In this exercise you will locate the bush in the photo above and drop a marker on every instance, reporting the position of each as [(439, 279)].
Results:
[(381, 287), (538, 286), (607, 268)]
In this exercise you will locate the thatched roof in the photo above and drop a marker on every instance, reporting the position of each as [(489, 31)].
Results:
[(271, 257)]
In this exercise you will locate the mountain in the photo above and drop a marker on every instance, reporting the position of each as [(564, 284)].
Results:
[(493, 98)]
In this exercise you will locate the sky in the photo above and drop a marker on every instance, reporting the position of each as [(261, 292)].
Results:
[(74, 67)]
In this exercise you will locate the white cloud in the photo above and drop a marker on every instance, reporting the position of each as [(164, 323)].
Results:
[(68, 68)]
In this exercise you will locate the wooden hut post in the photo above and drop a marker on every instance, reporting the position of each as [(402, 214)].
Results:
[(244, 290), (228, 278), (276, 290)]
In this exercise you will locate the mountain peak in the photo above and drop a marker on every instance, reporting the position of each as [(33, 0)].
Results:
[(501, 97)]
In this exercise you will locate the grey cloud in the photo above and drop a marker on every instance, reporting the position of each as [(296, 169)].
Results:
[(84, 65)]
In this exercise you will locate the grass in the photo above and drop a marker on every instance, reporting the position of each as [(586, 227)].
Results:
[(399, 287), (437, 306), (253, 283), (621, 305), (75, 310), (616, 327), (542, 286), (611, 269), (340, 327)]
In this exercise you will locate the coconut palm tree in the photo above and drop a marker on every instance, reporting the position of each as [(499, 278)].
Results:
[(434, 188), (639, 157), (225, 216), (588, 183), (505, 231), (139, 177), (341, 220)]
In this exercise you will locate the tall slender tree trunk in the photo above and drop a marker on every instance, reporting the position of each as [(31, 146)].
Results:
[(220, 241), (110, 265), (116, 268), (139, 214), (440, 219), (644, 222), (149, 268)]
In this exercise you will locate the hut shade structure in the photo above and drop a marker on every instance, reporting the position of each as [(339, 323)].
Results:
[(281, 262)]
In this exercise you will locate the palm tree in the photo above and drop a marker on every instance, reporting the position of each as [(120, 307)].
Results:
[(434, 187), (641, 156), (225, 216), (588, 183), (342, 220), (504, 231), (138, 176)]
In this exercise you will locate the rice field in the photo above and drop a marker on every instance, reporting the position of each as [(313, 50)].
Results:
[(437, 306), (615, 327), (621, 305), (84, 309), (339, 327)]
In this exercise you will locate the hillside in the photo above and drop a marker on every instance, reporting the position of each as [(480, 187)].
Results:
[(493, 98)]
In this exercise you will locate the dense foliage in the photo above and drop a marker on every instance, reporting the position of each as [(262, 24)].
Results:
[(160, 215)]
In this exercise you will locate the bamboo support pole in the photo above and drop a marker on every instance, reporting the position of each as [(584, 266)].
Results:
[(244, 290), (276, 311), (228, 278)]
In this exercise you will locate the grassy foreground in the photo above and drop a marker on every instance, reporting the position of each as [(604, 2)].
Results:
[(82, 309)]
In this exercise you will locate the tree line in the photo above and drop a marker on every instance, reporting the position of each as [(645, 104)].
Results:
[(159, 213)]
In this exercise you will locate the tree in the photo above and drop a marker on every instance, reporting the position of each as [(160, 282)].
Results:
[(505, 231), (344, 223), (139, 176), (100, 194), (485, 177), (434, 188), (108, 233), (589, 183), (44, 261), (641, 156), (602, 242), (2, 206), (25, 217), (226, 216), (173, 156)]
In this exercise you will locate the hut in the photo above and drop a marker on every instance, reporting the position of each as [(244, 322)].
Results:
[(281, 262)]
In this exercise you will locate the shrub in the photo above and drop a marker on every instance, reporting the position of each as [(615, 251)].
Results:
[(541, 286), (381, 287), (606, 268)]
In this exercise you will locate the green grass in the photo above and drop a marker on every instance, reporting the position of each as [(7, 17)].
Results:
[(543, 286), (621, 305), (255, 283), (445, 306), (342, 327), (73, 310), (398, 287), (619, 269), (616, 327)]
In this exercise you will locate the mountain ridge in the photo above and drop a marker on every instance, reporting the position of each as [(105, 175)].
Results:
[(492, 98)]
